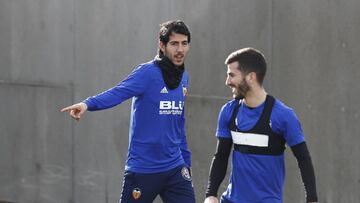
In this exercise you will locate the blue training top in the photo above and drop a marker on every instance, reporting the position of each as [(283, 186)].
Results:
[(157, 125), (258, 178)]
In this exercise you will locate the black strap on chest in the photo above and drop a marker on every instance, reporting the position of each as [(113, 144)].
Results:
[(276, 143)]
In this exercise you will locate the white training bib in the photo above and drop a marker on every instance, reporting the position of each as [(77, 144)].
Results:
[(251, 139)]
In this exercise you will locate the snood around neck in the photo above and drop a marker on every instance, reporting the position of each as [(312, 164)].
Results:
[(172, 74)]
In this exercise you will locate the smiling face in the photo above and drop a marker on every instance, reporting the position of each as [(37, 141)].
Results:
[(176, 49), (236, 80)]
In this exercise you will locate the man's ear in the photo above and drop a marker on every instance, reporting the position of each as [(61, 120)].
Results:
[(162, 46), (251, 77)]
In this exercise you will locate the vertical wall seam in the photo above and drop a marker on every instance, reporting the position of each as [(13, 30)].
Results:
[(73, 145), (271, 43)]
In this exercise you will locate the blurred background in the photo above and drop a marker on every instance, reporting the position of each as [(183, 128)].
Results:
[(54, 53)]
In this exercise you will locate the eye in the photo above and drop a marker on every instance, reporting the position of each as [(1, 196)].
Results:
[(173, 43), (185, 43)]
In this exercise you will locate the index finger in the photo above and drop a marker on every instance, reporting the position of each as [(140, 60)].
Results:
[(67, 108)]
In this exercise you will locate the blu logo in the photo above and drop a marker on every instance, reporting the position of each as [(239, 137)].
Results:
[(171, 105)]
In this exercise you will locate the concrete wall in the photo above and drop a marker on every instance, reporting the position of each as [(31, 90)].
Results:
[(55, 53), (315, 69)]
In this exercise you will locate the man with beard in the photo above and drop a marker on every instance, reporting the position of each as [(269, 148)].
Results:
[(158, 157), (259, 126)]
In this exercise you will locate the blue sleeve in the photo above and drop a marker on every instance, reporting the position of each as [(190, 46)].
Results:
[(135, 84), (185, 152), (223, 129), (290, 127)]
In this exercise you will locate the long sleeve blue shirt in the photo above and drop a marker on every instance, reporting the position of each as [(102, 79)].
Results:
[(157, 140)]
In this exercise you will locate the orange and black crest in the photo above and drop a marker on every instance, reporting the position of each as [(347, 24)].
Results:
[(136, 193), (184, 91)]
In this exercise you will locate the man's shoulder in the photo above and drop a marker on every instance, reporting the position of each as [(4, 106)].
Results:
[(282, 110), (229, 105), (279, 105), (149, 67)]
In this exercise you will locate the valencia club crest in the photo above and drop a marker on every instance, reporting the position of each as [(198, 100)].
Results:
[(136, 193), (184, 89)]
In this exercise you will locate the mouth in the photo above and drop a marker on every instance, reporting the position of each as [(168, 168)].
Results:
[(234, 91), (179, 57)]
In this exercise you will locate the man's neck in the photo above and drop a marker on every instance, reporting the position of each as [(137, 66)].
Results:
[(256, 97)]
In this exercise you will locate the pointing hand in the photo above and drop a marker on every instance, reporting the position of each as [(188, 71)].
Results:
[(76, 110)]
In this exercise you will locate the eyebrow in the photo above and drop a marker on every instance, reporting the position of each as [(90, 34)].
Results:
[(178, 41)]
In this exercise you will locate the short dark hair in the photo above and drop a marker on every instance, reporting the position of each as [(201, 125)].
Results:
[(172, 26), (250, 60)]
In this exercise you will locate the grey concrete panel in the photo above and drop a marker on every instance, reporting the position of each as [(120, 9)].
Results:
[(5, 45), (101, 150), (36, 144), (218, 29), (316, 70), (37, 41)]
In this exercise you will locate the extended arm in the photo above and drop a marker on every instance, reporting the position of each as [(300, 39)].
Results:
[(133, 85)]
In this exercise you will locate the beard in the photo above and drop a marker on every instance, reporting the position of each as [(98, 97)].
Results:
[(177, 59), (241, 90)]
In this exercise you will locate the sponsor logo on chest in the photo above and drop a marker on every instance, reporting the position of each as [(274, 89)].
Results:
[(171, 107)]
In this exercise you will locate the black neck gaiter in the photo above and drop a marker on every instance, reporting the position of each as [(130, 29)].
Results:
[(172, 74)]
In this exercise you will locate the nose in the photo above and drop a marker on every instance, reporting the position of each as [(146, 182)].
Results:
[(227, 81), (180, 48)]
